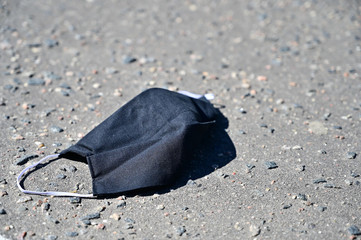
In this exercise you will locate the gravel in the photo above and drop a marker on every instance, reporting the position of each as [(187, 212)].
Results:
[(285, 75)]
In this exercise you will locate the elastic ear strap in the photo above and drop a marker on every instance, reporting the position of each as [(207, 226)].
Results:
[(208, 96), (63, 194)]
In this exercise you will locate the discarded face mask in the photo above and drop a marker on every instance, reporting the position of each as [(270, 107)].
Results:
[(143, 144)]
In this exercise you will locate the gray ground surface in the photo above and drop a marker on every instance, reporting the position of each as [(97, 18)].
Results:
[(287, 73)]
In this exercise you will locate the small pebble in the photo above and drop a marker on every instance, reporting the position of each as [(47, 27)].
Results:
[(160, 207), (302, 197), (321, 208), (2, 211), (329, 185), (60, 176), (271, 165), (74, 200), (52, 237), (56, 129), (254, 230), (191, 182), (287, 206), (71, 234), (111, 70), (300, 168), (355, 175), (242, 110), (320, 180), (45, 206), (50, 43), (250, 166), (3, 193), (25, 159), (351, 155), (180, 230), (36, 82), (129, 59), (91, 216), (86, 222), (24, 199), (65, 86), (348, 182), (354, 230), (129, 220), (297, 147), (115, 216), (121, 204)]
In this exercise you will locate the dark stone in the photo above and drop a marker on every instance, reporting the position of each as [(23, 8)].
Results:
[(17, 81), (180, 230), (122, 204), (50, 43), (271, 165), (320, 180), (52, 237), (65, 93), (46, 206), (2, 211), (355, 175), (190, 182), (250, 166), (71, 234), (34, 45), (86, 222), (65, 86), (36, 82), (60, 176), (129, 220), (329, 185), (285, 49), (321, 208), (242, 110), (56, 129), (91, 216), (129, 59), (337, 127), (351, 155), (71, 169), (25, 159), (287, 206), (74, 200), (296, 105), (51, 76), (302, 197), (354, 230)]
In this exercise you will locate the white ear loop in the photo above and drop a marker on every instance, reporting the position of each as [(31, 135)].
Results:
[(63, 194), (208, 96)]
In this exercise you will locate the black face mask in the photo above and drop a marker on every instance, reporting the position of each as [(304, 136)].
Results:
[(143, 144)]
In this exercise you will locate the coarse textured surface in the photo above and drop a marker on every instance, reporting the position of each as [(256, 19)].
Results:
[(287, 74)]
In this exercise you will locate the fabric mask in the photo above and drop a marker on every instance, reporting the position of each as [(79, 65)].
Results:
[(143, 144)]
